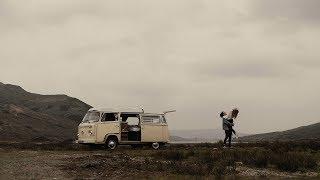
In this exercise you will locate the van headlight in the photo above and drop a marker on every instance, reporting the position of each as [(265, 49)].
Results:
[(90, 132)]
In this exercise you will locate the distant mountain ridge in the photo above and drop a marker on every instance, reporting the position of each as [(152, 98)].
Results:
[(61, 106), (310, 132), (26, 116)]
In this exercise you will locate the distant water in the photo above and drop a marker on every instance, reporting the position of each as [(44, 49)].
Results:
[(192, 142)]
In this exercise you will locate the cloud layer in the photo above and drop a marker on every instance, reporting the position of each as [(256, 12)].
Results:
[(199, 57)]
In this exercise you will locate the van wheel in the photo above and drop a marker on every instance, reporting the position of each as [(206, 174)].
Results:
[(112, 143), (155, 145)]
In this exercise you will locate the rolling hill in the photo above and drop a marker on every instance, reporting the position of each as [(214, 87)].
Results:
[(26, 116), (59, 106), (310, 132)]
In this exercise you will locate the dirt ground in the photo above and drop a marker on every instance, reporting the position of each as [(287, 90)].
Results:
[(96, 164), (122, 163), (29, 164)]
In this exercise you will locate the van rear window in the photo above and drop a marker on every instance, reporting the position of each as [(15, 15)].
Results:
[(151, 119)]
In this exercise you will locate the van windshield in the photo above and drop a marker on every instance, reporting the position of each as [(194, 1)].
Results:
[(91, 117)]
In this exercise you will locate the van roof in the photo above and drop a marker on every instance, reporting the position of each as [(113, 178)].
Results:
[(128, 110)]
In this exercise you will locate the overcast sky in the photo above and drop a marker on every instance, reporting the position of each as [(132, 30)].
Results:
[(198, 57)]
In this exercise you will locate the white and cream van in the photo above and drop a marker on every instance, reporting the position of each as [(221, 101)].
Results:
[(116, 127)]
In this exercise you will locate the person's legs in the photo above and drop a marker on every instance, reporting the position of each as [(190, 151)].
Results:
[(226, 137), (229, 137), (233, 131)]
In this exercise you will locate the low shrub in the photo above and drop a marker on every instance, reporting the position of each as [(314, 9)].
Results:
[(294, 161), (215, 161), (173, 155), (255, 157)]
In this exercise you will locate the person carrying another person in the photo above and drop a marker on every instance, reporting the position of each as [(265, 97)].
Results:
[(227, 125)]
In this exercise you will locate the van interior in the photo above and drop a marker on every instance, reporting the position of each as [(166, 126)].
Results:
[(130, 127)]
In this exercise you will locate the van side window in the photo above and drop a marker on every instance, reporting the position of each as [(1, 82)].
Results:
[(151, 119), (110, 117)]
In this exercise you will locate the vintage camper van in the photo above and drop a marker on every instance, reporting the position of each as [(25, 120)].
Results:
[(128, 127)]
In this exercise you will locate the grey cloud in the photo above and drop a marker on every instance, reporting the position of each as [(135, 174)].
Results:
[(305, 12), (252, 70), (46, 12), (239, 69), (60, 12)]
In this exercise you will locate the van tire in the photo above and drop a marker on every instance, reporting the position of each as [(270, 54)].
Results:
[(112, 143), (155, 145)]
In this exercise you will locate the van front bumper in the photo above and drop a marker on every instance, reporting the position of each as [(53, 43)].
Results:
[(86, 141)]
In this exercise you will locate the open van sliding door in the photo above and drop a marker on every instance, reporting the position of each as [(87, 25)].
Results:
[(152, 129)]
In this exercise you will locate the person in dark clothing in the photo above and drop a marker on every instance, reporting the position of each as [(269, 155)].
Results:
[(228, 136), (225, 125)]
